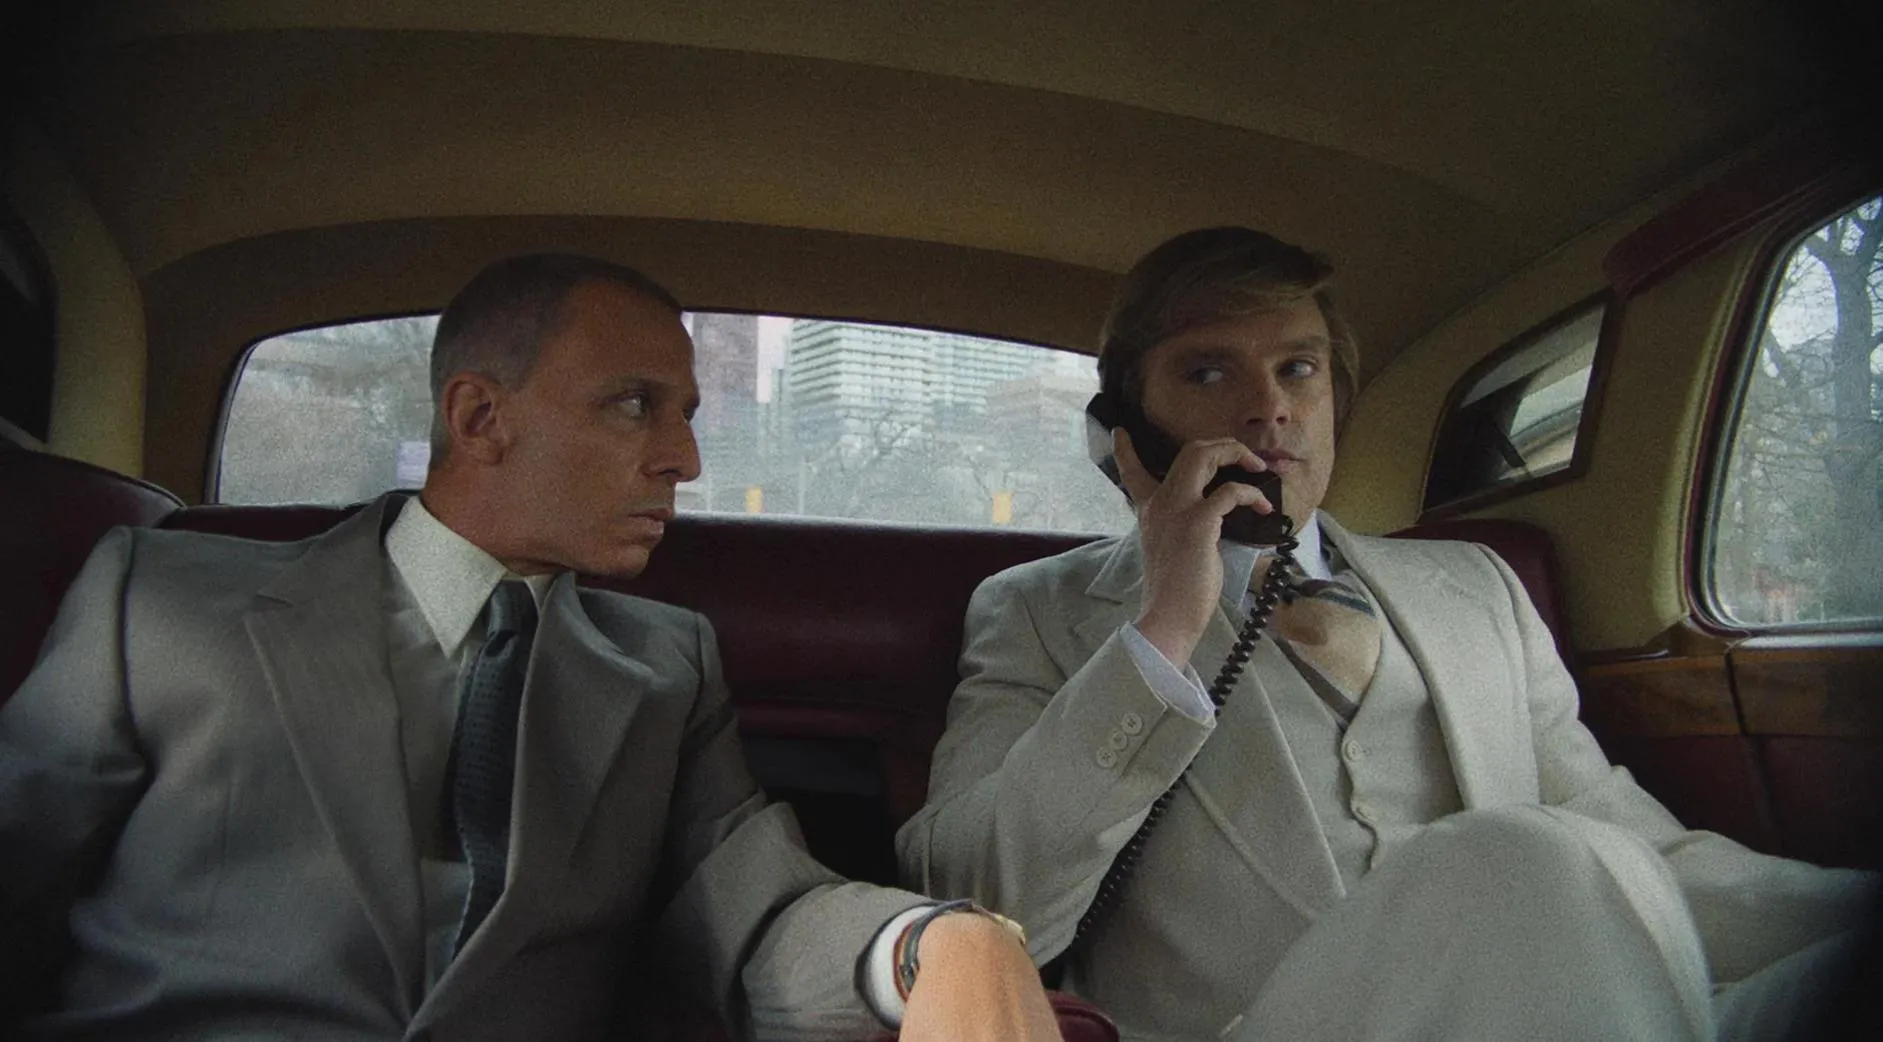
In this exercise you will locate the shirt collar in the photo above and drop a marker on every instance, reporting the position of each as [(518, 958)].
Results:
[(450, 577), (1240, 559)]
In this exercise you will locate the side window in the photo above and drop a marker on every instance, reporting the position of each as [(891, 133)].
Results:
[(798, 417), (1518, 415), (331, 415), (1795, 536), (26, 337)]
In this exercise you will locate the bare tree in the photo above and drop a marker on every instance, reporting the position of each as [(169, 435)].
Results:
[(1801, 524)]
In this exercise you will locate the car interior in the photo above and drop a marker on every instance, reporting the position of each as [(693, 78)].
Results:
[(1492, 181)]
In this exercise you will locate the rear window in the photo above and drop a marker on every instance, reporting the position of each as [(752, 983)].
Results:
[(798, 417)]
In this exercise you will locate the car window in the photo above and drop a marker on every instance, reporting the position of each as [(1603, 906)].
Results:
[(26, 337), (1796, 527), (798, 417), (1518, 415)]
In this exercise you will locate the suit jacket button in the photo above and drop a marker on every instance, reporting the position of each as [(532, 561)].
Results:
[(1117, 741), (1131, 723), (1107, 759)]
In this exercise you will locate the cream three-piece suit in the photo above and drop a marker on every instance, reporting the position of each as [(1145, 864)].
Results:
[(1056, 746), (211, 731)]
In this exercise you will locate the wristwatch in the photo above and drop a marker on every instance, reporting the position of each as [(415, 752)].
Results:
[(907, 963)]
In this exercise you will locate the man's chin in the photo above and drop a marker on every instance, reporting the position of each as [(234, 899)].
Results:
[(625, 561), (624, 564), (1294, 499)]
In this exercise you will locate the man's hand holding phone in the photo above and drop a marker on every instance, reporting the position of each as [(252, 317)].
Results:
[(1179, 525)]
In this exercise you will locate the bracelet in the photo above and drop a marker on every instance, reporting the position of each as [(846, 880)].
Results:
[(907, 944)]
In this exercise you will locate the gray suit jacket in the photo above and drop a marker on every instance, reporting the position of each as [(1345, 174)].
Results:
[(211, 735), (1027, 811)]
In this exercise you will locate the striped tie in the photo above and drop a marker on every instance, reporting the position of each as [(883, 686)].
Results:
[(1328, 627), (484, 749)]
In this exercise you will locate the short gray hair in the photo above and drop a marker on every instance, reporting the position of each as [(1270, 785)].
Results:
[(497, 323)]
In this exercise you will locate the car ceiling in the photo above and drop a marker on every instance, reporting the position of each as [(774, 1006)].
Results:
[(1429, 149)]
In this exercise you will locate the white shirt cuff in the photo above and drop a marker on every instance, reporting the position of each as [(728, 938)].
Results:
[(878, 979), (1182, 691)]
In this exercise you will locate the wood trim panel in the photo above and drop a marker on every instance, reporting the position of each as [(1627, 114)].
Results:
[(1659, 698), (1825, 692)]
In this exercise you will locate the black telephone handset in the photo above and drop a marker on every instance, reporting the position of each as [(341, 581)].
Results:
[(1157, 450)]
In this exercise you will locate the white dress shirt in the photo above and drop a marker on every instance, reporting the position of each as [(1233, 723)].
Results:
[(435, 615)]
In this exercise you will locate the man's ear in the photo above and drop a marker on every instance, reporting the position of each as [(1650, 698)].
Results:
[(473, 405)]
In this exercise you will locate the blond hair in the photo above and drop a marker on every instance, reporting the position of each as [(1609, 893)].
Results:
[(1213, 274)]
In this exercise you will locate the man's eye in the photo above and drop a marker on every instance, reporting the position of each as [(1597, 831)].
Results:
[(635, 406), (1204, 375), (1300, 368)]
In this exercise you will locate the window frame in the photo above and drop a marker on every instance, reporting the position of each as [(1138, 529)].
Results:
[(1732, 376), (233, 376), (1611, 304)]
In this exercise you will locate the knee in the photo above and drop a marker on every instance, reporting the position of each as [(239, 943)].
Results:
[(1533, 854)]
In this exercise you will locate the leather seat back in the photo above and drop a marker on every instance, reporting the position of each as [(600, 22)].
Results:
[(54, 510)]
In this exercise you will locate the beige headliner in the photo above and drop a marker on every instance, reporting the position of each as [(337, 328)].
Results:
[(735, 147)]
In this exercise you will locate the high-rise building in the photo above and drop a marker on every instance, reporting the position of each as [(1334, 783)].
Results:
[(725, 358), (1045, 409), (725, 364), (859, 385)]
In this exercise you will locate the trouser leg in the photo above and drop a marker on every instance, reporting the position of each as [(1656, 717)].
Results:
[(1515, 922), (1801, 996)]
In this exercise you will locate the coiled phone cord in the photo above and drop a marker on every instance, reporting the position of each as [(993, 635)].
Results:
[(1276, 587)]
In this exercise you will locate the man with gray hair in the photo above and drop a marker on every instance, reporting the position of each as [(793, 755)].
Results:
[(408, 779), (1382, 819)]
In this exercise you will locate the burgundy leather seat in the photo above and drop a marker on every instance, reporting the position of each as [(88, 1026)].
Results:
[(53, 510), (838, 631)]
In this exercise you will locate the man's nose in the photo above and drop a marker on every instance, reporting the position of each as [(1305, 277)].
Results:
[(1265, 402), (677, 453)]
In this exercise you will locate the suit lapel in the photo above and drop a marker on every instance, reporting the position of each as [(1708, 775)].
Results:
[(1443, 625), (579, 699), (1245, 778), (319, 632)]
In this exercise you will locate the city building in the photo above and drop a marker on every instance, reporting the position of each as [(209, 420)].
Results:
[(866, 387)]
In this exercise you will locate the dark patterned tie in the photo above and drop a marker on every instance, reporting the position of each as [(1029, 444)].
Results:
[(484, 749)]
